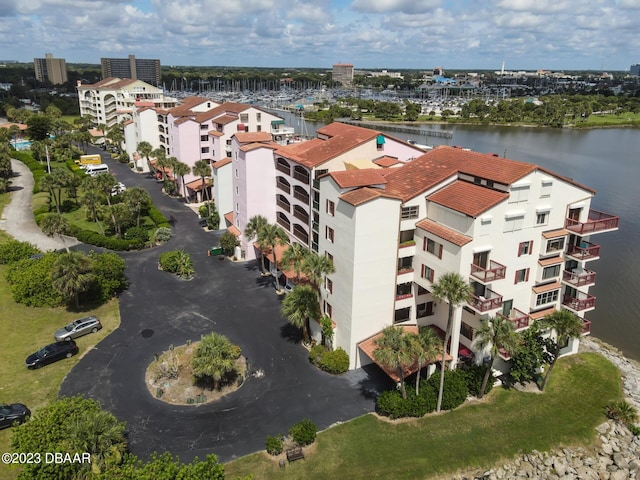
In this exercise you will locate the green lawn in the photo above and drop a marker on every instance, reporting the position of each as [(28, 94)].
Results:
[(24, 330), (477, 435), (611, 120)]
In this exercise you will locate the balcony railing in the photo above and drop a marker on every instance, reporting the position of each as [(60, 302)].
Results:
[(302, 177), (284, 205), (283, 168), (584, 251), (517, 318), (490, 301), (581, 301), (284, 223), (579, 278), (403, 270), (596, 222), (496, 271), (303, 197), (302, 216), (284, 187), (586, 326), (404, 296)]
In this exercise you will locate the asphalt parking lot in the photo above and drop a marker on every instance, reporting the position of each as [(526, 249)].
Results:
[(159, 310)]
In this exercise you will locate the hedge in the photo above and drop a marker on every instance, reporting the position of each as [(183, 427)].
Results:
[(94, 238), (37, 169), (332, 361), (158, 218)]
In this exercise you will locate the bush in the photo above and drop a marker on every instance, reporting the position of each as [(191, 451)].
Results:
[(137, 233), (109, 278), (213, 221), (336, 361), (455, 388), (169, 261), (203, 211), (161, 235), (304, 432), (131, 165), (316, 353), (30, 281), (94, 238), (392, 405), (622, 412), (228, 242), (14, 250), (474, 375), (170, 187), (37, 169), (158, 218), (274, 445)]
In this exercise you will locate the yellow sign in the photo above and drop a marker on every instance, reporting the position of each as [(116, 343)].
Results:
[(90, 160)]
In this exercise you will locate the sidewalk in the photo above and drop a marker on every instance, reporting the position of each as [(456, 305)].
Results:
[(17, 217)]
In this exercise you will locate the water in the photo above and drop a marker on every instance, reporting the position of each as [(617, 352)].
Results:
[(606, 160), (21, 144)]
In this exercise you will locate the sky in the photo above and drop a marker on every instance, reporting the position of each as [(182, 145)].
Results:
[(370, 34)]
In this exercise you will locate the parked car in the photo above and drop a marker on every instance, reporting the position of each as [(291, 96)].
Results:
[(78, 328), (118, 188), (51, 353), (13, 414)]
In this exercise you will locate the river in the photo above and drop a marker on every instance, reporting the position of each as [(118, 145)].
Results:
[(607, 160)]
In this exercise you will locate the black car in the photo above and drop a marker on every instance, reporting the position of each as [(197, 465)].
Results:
[(52, 353), (13, 414)]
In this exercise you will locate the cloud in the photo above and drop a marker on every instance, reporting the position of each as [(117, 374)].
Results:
[(388, 6)]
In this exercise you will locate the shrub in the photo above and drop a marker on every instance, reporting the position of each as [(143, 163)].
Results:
[(30, 281), (316, 353), (158, 218), (304, 432), (123, 157), (213, 221), (622, 412), (131, 165), (169, 261), (137, 233), (228, 242), (203, 211), (392, 405), (161, 235), (170, 187), (474, 375), (14, 250), (455, 388), (336, 361), (94, 238), (109, 278), (274, 445)]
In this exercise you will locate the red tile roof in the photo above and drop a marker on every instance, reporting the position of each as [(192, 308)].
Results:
[(467, 198), (386, 161), (253, 146), (542, 313), (358, 178), (562, 232), (360, 195), (229, 217), (222, 163), (224, 119), (196, 185), (547, 288), (250, 137), (550, 261), (443, 232)]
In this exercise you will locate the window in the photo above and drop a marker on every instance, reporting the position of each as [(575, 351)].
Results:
[(237, 190), (466, 330), (545, 188), (410, 212), (328, 309), (204, 138), (203, 126), (547, 297), (555, 245), (204, 150), (525, 248), (513, 223), (328, 284), (424, 309), (422, 290), (329, 234), (244, 117), (229, 142), (550, 272), (519, 194), (329, 256), (236, 174), (522, 275), (258, 128), (258, 117), (542, 218), (237, 207), (427, 273), (432, 247), (331, 208)]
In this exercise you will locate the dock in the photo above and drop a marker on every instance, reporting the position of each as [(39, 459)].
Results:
[(399, 128)]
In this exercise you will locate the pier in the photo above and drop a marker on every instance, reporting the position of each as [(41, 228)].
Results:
[(399, 128)]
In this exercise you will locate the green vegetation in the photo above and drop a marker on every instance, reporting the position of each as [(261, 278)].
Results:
[(477, 435), (214, 362), (304, 432), (178, 262), (332, 361)]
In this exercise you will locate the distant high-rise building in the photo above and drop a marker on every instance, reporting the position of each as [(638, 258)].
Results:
[(50, 69), (635, 70), (343, 73), (147, 70)]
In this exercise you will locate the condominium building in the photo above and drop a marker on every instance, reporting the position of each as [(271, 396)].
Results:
[(50, 69), (343, 73), (112, 100), (147, 70), (521, 235)]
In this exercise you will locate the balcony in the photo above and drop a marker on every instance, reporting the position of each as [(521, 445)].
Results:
[(404, 275), (489, 301), (579, 302), (584, 251), (284, 223), (586, 326), (283, 204), (284, 186), (283, 168), (407, 249), (597, 222), (300, 214), (301, 195), (579, 277), (301, 176), (519, 319), (496, 271)]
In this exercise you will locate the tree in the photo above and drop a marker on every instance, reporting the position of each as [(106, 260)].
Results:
[(145, 149), (294, 257), (530, 354), (48, 183), (138, 200), (252, 230), (494, 335), (214, 359), (39, 126), (452, 288), (180, 169), (273, 235), (202, 169), (299, 306), (425, 345), (566, 326), (315, 267), (105, 183), (394, 350), (163, 163), (228, 242), (72, 274), (55, 224)]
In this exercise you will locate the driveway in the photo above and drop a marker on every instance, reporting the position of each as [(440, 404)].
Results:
[(159, 310)]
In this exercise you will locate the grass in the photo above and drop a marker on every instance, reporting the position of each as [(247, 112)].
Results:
[(24, 330), (475, 436)]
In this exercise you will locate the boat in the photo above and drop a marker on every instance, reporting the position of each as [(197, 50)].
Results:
[(421, 146)]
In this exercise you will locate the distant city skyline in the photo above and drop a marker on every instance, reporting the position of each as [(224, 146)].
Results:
[(370, 34)]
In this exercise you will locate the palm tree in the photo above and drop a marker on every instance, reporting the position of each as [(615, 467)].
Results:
[(253, 229), (145, 149), (202, 169), (300, 306), (215, 358), (55, 224), (163, 163), (452, 288), (138, 199), (315, 267), (566, 326), (158, 154), (100, 434), (92, 199), (494, 335), (273, 235), (72, 274), (426, 345), (180, 169), (48, 183), (393, 350), (294, 257)]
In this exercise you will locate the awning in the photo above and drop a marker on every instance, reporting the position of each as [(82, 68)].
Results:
[(241, 127), (380, 140), (277, 122), (196, 185)]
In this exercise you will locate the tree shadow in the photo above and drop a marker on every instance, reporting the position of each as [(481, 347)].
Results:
[(290, 333), (14, 188), (375, 382)]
